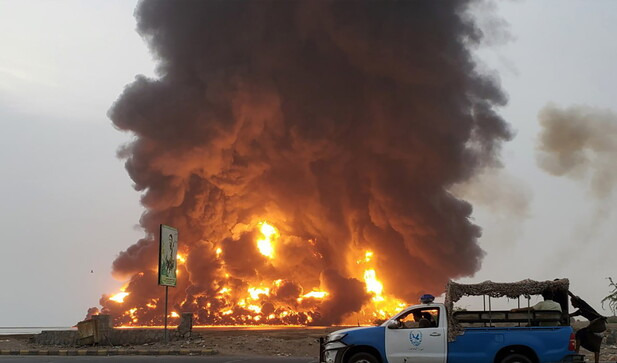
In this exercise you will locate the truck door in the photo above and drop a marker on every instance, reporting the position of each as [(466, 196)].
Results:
[(417, 336)]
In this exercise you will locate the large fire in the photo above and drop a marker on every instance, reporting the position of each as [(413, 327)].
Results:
[(253, 305), (308, 164)]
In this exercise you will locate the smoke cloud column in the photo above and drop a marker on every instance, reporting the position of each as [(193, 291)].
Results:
[(341, 124), (580, 142)]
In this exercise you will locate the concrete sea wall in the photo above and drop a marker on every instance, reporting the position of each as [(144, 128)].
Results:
[(99, 331), (115, 337)]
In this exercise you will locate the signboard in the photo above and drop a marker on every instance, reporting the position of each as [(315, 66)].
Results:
[(168, 252)]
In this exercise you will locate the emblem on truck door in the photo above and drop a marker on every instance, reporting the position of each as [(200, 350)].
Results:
[(415, 337)]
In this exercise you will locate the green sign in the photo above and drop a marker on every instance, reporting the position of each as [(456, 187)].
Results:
[(168, 252)]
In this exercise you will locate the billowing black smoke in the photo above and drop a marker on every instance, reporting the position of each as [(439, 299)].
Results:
[(343, 124)]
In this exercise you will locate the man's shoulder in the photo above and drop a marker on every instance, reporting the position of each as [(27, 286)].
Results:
[(547, 305)]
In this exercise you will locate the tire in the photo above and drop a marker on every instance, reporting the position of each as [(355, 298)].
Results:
[(516, 358), (363, 358)]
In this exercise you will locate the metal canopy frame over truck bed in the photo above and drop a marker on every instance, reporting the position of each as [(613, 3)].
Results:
[(512, 290)]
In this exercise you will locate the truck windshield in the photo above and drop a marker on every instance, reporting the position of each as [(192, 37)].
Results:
[(419, 318)]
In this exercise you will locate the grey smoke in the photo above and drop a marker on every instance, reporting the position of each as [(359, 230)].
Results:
[(580, 142)]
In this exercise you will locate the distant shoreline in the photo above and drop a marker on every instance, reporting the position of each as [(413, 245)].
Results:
[(20, 330)]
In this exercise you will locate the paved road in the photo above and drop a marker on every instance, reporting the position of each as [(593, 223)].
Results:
[(144, 359)]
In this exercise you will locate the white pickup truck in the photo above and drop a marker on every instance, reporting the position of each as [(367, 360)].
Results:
[(427, 333)]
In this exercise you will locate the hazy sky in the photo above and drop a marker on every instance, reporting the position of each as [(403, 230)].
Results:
[(68, 206)]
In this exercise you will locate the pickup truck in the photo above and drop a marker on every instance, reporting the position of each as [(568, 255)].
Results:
[(419, 334)]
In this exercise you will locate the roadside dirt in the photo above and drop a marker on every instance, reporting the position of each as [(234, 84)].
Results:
[(299, 342)]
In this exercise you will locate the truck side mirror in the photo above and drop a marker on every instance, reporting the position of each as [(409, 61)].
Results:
[(394, 324)]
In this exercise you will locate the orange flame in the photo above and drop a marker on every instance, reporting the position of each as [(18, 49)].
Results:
[(265, 244), (373, 285), (255, 292), (119, 297), (316, 294), (252, 304)]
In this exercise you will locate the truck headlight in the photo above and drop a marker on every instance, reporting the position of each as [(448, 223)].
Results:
[(335, 337)]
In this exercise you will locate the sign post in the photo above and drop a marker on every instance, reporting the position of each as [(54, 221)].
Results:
[(168, 252), (166, 299)]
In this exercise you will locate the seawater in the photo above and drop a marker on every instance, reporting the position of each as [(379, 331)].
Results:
[(31, 329)]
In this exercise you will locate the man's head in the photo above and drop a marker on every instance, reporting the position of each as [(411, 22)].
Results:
[(547, 294)]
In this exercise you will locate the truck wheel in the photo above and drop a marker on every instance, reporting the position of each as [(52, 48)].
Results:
[(516, 358), (362, 358)]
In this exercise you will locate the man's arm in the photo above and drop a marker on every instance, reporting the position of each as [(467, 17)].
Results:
[(576, 313), (535, 307)]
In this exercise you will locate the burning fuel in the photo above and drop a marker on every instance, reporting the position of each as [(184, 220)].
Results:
[(265, 244), (304, 150), (119, 297)]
